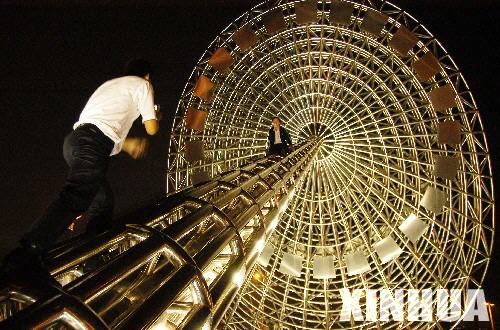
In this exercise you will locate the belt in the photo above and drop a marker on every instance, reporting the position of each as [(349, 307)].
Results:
[(94, 129)]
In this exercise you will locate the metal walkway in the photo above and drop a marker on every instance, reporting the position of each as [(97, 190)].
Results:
[(178, 266)]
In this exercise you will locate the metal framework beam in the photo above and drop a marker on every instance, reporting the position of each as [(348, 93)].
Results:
[(179, 266)]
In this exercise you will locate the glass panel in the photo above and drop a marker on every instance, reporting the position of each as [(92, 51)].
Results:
[(306, 12), (403, 40), (203, 88), (195, 119), (274, 21), (443, 98), (221, 60), (449, 132), (341, 12), (194, 151)]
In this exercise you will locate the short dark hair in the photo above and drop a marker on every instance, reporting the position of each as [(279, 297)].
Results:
[(138, 67), (276, 118)]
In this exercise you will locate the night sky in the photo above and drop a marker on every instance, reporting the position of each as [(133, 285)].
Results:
[(54, 56)]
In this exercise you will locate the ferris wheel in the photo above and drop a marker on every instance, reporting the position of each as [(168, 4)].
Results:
[(400, 194)]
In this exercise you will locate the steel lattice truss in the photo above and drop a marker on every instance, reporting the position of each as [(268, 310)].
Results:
[(403, 139)]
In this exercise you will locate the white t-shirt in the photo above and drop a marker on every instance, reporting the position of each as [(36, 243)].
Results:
[(277, 136), (116, 104)]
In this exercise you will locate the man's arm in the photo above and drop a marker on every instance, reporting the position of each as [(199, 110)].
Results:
[(149, 112)]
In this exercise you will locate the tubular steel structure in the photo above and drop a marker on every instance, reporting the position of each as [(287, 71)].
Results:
[(400, 194), (179, 269), (391, 187)]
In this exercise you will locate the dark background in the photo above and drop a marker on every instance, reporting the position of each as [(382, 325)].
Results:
[(55, 53)]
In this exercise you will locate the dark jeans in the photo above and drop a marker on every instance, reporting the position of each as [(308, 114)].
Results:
[(279, 149), (86, 151)]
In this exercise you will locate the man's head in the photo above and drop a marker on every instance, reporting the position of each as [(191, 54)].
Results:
[(276, 123), (140, 68)]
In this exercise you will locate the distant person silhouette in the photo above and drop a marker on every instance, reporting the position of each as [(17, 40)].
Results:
[(279, 139)]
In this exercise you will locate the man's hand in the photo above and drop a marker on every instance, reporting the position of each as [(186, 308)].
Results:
[(151, 126), (135, 147)]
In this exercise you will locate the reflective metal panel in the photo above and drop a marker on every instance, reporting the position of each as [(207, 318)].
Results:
[(306, 11), (446, 167), (245, 37), (373, 22), (443, 98), (203, 88), (194, 150), (413, 228), (12, 301), (341, 12), (356, 263), (387, 249), (221, 60), (291, 264), (427, 66), (274, 21), (449, 132), (195, 119), (433, 200), (403, 40)]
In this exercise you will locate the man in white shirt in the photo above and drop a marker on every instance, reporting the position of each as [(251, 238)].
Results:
[(100, 132)]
